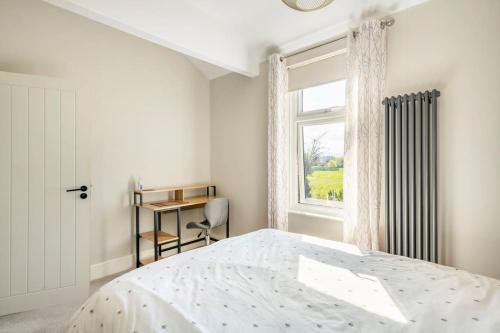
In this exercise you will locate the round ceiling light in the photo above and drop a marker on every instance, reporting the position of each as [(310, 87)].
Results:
[(307, 5)]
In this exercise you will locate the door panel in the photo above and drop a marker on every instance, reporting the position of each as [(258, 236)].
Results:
[(5, 167), (36, 191), (43, 228), (52, 188), (19, 191), (68, 201)]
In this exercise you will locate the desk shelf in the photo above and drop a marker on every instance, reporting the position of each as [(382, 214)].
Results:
[(177, 191), (163, 237), (173, 189), (146, 261)]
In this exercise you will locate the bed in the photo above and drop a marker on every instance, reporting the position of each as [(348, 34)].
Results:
[(274, 281)]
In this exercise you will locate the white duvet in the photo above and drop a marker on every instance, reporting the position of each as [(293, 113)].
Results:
[(272, 281)]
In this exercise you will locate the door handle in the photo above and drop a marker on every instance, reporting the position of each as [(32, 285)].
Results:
[(81, 188)]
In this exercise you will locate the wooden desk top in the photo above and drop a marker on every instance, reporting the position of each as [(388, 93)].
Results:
[(171, 189), (159, 206)]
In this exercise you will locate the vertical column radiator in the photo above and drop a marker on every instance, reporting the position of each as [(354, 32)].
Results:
[(410, 175)]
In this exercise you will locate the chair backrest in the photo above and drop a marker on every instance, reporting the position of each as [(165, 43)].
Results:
[(216, 212)]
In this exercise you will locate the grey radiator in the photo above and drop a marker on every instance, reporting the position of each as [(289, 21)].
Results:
[(410, 175)]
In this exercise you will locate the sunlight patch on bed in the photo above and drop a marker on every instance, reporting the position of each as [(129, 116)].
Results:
[(343, 247), (363, 291)]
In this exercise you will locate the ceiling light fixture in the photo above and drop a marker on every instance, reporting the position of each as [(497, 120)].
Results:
[(307, 5)]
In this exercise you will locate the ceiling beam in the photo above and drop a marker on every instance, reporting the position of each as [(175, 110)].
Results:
[(215, 45)]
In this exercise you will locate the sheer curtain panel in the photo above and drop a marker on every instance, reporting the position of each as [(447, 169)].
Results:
[(364, 134), (278, 144)]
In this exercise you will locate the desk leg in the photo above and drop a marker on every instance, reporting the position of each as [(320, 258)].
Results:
[(227, 224), (156, 214), (159, 228), (179, 230), (137, 238)]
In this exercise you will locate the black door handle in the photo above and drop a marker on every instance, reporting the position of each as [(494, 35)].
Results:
[(81, 188)]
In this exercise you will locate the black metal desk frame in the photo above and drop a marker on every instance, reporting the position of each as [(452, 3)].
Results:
[(158, 248)]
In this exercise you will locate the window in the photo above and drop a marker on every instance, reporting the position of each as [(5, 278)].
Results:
[(317, 131), (323, 97)]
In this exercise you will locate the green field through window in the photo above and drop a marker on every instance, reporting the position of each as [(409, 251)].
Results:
[(326, 184)]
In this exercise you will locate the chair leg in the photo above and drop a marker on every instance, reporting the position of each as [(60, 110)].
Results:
[(207, 238)]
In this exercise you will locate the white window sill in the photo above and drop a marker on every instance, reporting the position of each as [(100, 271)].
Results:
[(336, 218)]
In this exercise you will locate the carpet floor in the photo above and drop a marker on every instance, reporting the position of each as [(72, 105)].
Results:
[(47, 320)]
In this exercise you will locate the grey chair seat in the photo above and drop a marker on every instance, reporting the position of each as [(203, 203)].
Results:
[(198, 225)]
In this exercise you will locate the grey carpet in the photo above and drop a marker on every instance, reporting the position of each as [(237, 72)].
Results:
[(50, 319)]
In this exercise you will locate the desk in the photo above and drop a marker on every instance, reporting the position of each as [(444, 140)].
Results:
[(171, 205)]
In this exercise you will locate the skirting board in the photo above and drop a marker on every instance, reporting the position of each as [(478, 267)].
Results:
[(117, 265), (113, 266)]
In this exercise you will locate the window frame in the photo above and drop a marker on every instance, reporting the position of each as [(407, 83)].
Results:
[(301, 112), (298, 119)]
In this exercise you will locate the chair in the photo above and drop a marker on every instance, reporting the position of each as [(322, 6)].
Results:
[(216, 213)]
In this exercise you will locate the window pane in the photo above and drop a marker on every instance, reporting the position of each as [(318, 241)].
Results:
[(324, 97), (323, 162)]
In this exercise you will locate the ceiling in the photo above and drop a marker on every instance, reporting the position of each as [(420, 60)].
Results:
[(222, 36)]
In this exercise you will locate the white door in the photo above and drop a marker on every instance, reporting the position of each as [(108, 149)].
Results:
[(44, 252)]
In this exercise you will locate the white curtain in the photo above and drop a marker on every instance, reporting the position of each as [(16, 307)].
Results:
[(363, 169), (278, 144)]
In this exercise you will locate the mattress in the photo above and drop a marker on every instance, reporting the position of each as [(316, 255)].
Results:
[(274, 281)]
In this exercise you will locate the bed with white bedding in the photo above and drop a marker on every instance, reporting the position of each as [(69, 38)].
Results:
[(273, 281)]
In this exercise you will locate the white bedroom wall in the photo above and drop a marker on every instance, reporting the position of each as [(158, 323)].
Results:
[(149, 108), (451, 45), (238, 136), (454, 46)]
